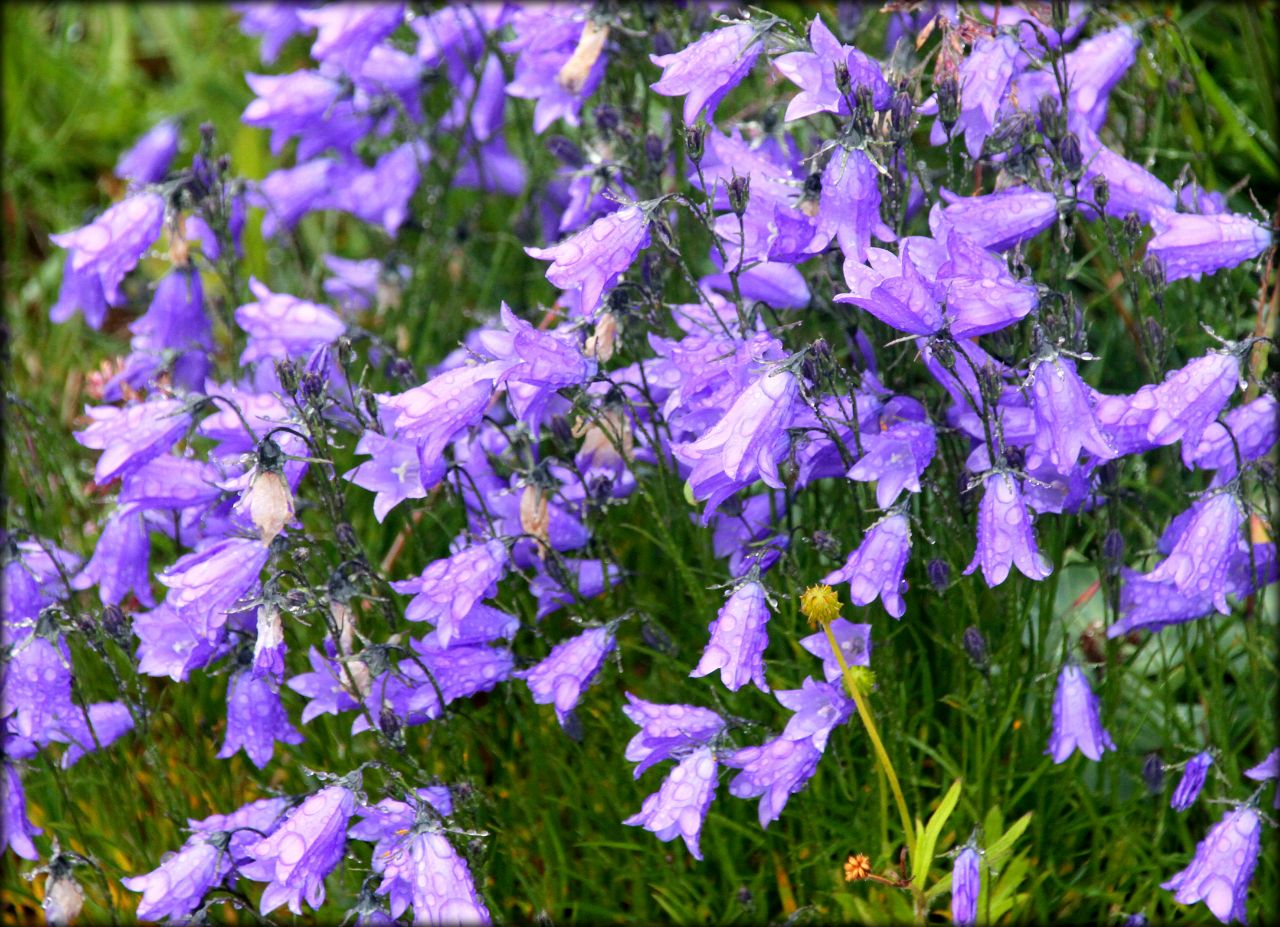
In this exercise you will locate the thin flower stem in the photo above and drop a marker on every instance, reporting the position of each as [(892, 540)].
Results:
[(864, 712)]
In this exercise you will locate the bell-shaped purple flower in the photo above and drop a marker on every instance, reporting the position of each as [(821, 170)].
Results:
[(1201, 558), (255, 719), (998, 221), (380, 195), (815, 74), (346, 32), (35, 687), (149, 158), (874, 570), (175, 321), (854, 641), (773, 772), (707, 70), (81, 291), (308, 845), (119, 563), (1220, 871), (1005, 536), (289, 193), (175, 889), (966, 883), (281, 325), (290, 104), (439, 882), (275, 22), (1249, 430), (984, 78), (680, 806), (568, 670), (83, 732), (981, 295), (1130, 187), (820, 707), (895, 457), (592, 260), (665, 729), (392, 472), (207, 585), (560, 59), (448, 589), (1076, 724), (16, 830), (739, 636), (129, 437), (168, 646), (849, 209), (110, 246), (1267, 769), (1065, 423), (1187, 245), (1192, 781)]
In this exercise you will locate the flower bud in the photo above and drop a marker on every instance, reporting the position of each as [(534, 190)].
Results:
[(695, 138), (573, 74), (975, 645), (1133, 227), (653, 150), (565, 151), (389, 722), (607, 119), (939, 574), (739, 194), (657, 638), (287, 374), (1113, 551), (1051, 121), (900, 114), (535, 516), (844, 82), (948, 90), (114, 623), (1101, 191), (1071, 155), (1153, 270), (1153, 773)]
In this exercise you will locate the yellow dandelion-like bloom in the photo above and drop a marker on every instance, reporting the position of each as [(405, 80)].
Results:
[(820, 604)]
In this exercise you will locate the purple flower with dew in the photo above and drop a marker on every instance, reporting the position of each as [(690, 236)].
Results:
[(307, 846), (739, 636), (568, 670), (898, 453), (256, 719), (854, 641), (592, 260), (984, 79), (773, 772), (433, 414), (874, 570), (1130, 187), (357, 285), (289, 193), (175, 322), (1200, 560), (588, 581), (246, 825), (101, 726), (1267, 769), (666, 730), (746, 444), (899, 291), (297, 104), (1249, 430), (207, 585), (454, 36), (381, 194), (169, 646), (966, 884), (275, 22), (149, 159), (119, 563), (1065, 423), (998, 221), (460, 670), (346, 32), (33, 572), (81, 291), (1192, 781), (130, 436), (815, 74), (1188, 245), (436, 879), (175, 889), (1220, 872), (111, 245), (560, 60), (35, 687), (1076, 724), (849, 208), (820, 707), (680, 806), (281, 325), (707, 70), (448, 589), (16, 830), (1195, 198), (1005, 536), (981, 295), (392, 472), (1093, 68)]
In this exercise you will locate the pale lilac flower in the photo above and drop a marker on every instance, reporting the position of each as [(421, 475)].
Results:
[(176, 888), (984, 78), (120, 560), (898, 453), (1188, 245), (111, 245), (591, 261), (16, 830), (275, 22), (568, 670), (1076, 724), (207, 585), (1192, 781), (966, 883), (83, 732), (981, 295), (255, 719), (392, 472), (346, 32), (308, 845), (1130, 187), (707, 70), (149, 159), (1267, 769), (281, 325), (448, 589), (380, 194), (998, 221), (169, 646), (174, 322), (547, 39), (1065, 423), (849, 208), (1252, 433), (81, 291), (439, 882), (35, 687), (1220, 871), (133, 435), (1005, 536), (289, 193), (289, 104), (680, 806), (666, 729), (854, 641), (820, 707), (773, 771), (1200, 559), (739, 636), (460, 670), (874, 570), (815, 74), (323, 686)]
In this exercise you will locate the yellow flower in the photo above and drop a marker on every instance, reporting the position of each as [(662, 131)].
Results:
[(820, 604), (856, 867)]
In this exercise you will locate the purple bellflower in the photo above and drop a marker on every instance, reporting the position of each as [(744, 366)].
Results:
[(207, 585), (149, 159), (133, 435), (966, 883), (448, 589), (1188, 245), (984, 78), (16, 830), (898, 453), (874, 570), (773, 772), (854, 641), (1267, 769), (392, 472), (280, 325), (255, 719), (998, 221), (680, 806), (1065, 423), (1220, 871), (81, 291), (1192, 781), (307, 846), (175, 321), (1005, 536), (591, 261), (346, 32), (568, 670), (819, 708), (815, 74), (739, 636), (1200, 559), (110, 246), (119, 563), (666, 729), (1076, 724), (707, 70)]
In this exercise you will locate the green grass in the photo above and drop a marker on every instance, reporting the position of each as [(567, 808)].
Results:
[(82, 82)]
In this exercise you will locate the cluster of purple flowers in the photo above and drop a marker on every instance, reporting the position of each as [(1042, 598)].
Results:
[(713, 390)]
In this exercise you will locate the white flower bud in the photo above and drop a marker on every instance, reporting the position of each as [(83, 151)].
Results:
[(574, 73), (270, 503), (63, 900)]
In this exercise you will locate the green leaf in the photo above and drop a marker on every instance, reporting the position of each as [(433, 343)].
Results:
[(999, 851), (929, 838)]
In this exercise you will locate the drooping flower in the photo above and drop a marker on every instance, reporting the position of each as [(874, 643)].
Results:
[(1187, 245), (815, 74), (175, 322), (307, 846), (1192, 781), (207, 585), (149, 158), (1220, 872), (1065, 423), (129, 437), (1267, 769), (448, 589), (898, 453), (707, 70), (819, 708), (119, 563), (773, 772), (110, 246), (568, 670), (346, 32), (1076, 724), (256, 719), (984, 78), (874, 570), (560, 59), (175, 889), (680, 806), (392, 472), (591, 261), (281, 325), (35, 686), (998, 221), (1201, 558), (16, 830), (665, 729), (85, 731), (1005, 536), (966, 883), (854, 641), (380, 194), (739, 636)]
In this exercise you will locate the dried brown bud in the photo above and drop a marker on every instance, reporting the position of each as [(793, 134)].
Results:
[(534, 514), (601, 343), (270, 503), (574, 73)]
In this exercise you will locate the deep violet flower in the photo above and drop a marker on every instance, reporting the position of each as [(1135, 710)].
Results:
[(568, 670), (16, 830), (1065, 423), (1075, 719), (1199, 562), (592, 260), (1192, 781), (739, 636), (680, 806), (707, 70), (966, 882), (875, 569), (110, 246), (1220, 872), (1005, 536)]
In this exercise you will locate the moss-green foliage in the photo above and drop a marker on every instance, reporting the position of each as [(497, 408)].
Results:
[(81, 83)]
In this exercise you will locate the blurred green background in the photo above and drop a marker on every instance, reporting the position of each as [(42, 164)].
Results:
[(81, 83)]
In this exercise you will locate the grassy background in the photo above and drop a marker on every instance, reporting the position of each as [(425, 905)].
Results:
[(81, 83)]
